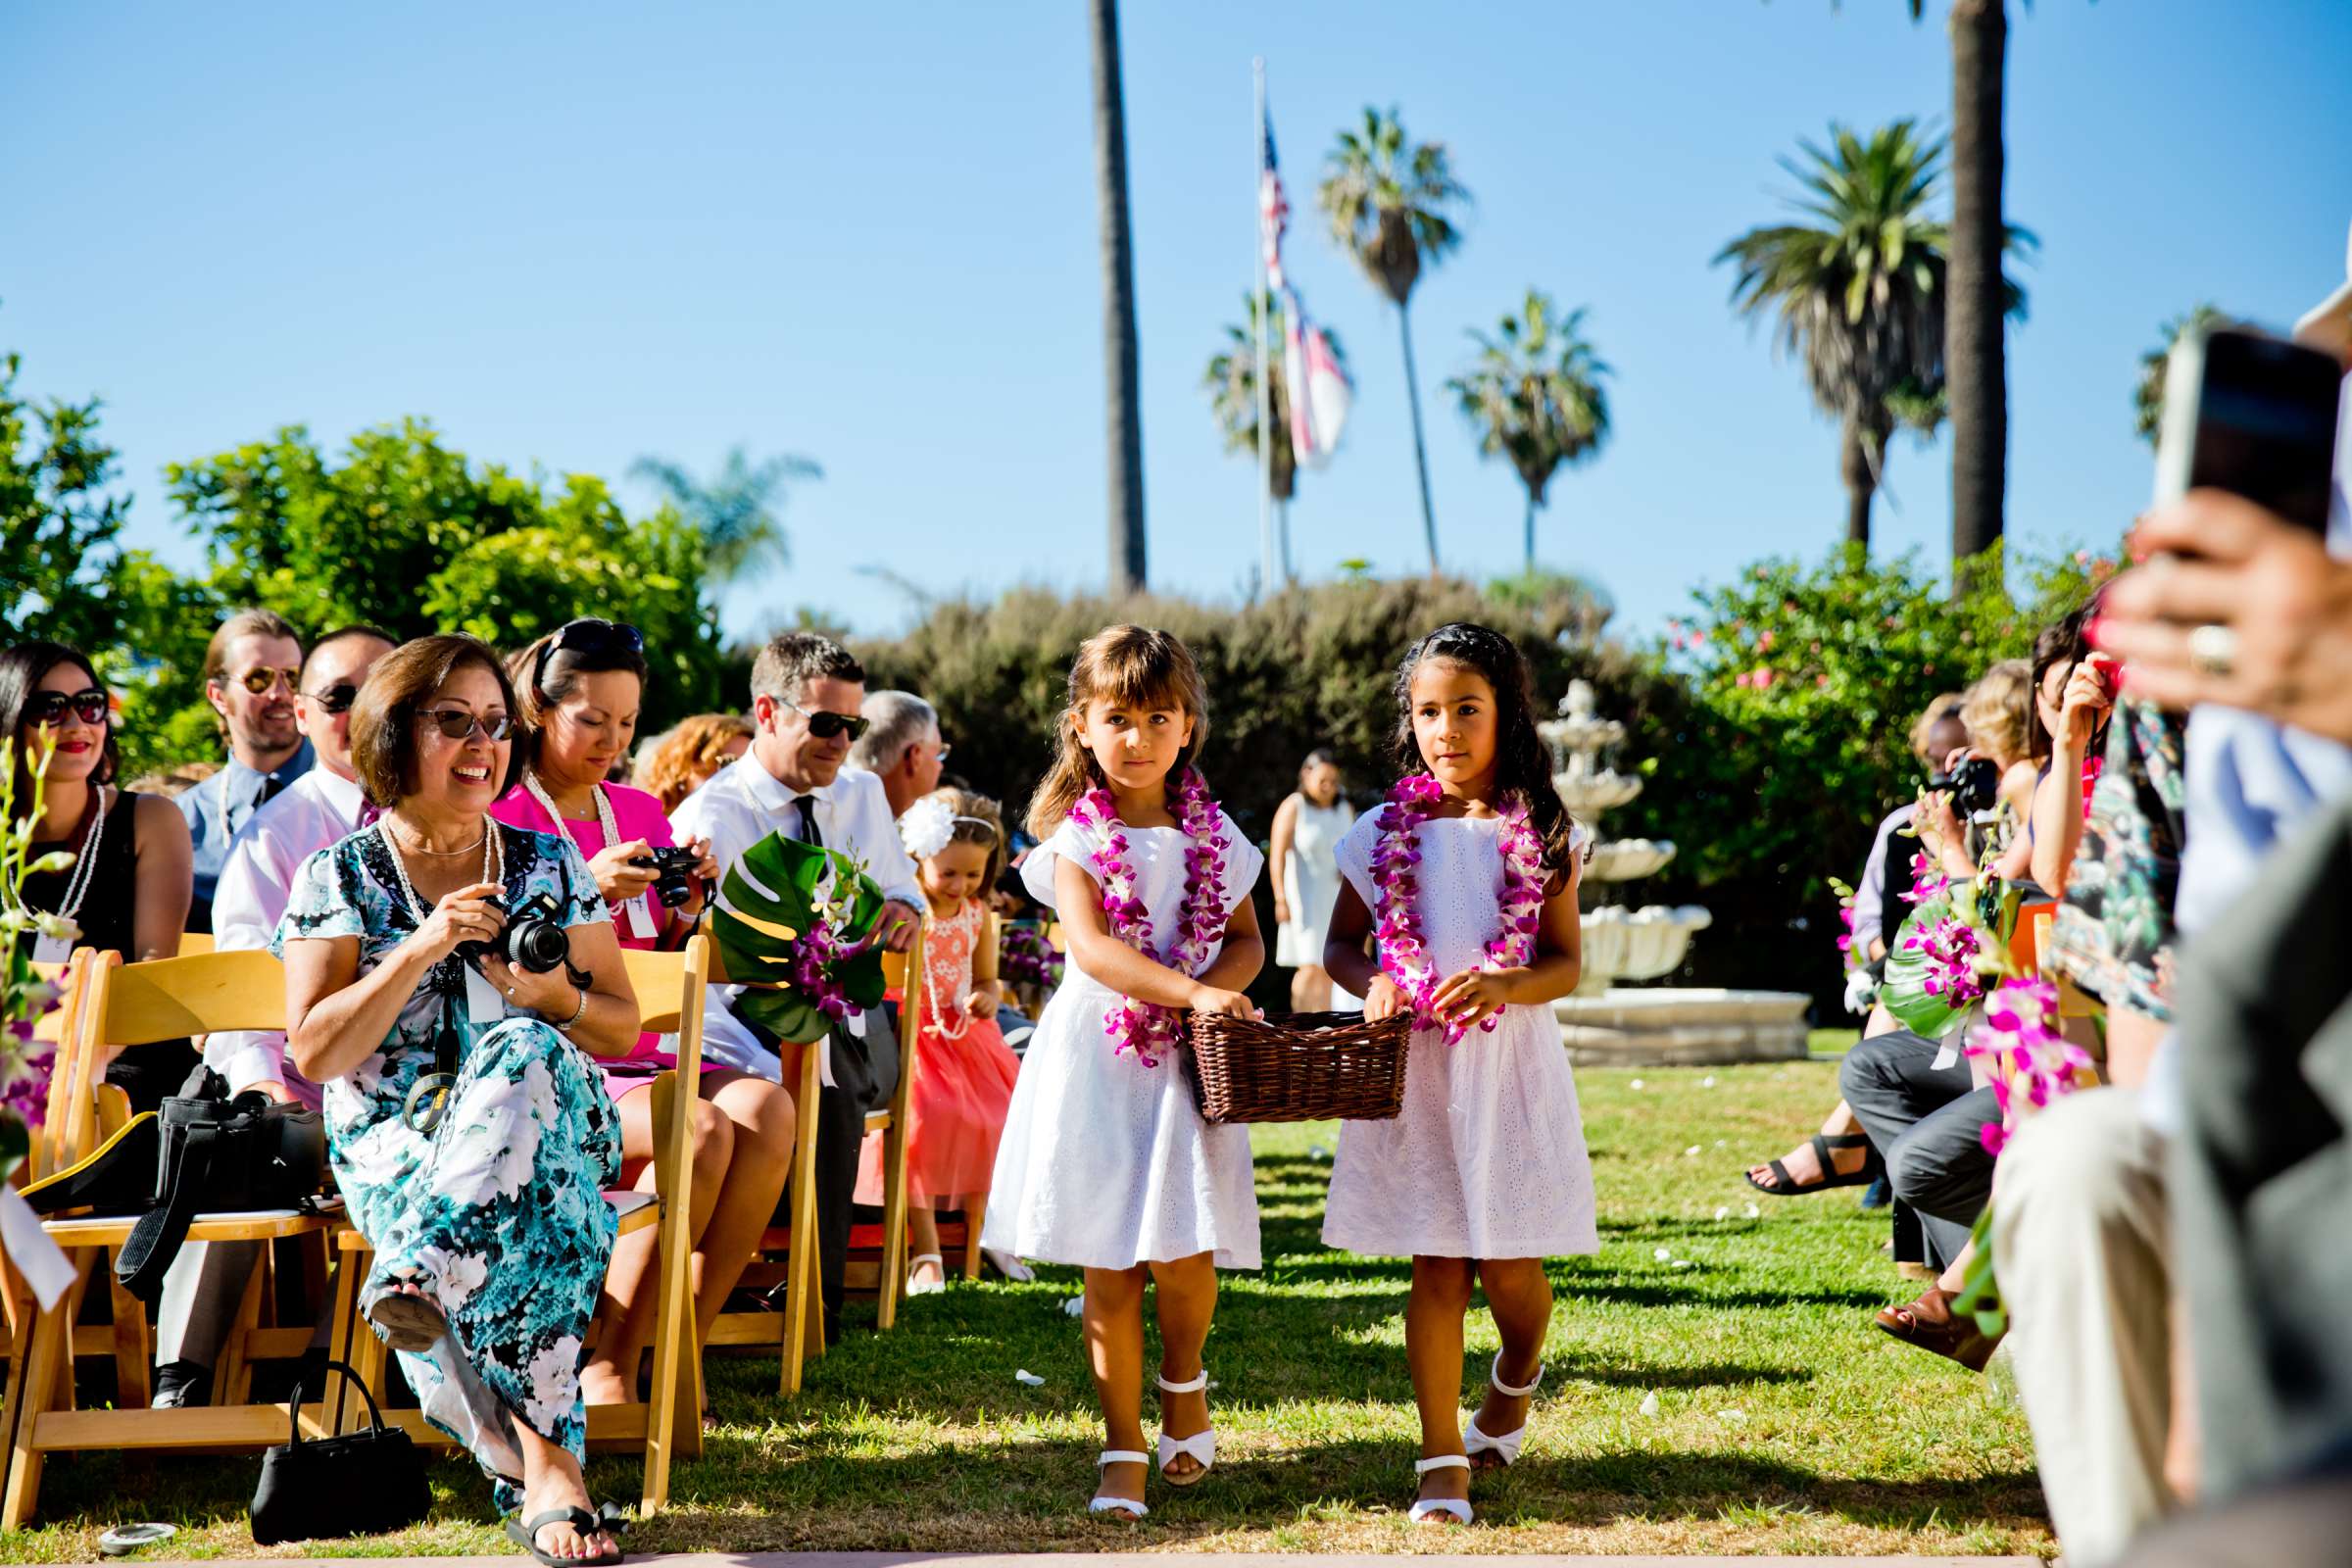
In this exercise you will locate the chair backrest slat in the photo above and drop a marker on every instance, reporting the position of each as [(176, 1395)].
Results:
[(170, 998)]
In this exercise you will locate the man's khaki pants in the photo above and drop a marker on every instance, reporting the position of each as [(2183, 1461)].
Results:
[(2079, 1241)]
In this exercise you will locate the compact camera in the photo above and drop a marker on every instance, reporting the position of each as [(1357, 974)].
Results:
[(1974, 785), (532, 937), (674, 874)]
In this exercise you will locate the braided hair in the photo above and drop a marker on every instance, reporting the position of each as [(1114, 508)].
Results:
[(1522, 763)]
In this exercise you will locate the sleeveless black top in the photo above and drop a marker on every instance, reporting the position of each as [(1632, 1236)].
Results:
[(110, 906)]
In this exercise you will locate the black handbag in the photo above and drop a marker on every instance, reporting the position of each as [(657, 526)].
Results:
[(358, 1484), (219, 1154)]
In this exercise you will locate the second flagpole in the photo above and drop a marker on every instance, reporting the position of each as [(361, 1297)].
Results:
[(1269, 569)]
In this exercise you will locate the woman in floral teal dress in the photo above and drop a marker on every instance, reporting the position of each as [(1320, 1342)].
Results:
[(489, 1224)]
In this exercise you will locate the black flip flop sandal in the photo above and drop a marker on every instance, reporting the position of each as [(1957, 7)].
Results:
[(1821, 1145), (525, 1534)]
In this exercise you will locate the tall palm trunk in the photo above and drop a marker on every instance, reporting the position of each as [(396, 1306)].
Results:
[(1972, 318), (1861, 481), (1412, 398), (1530, 532), (1122, 400)]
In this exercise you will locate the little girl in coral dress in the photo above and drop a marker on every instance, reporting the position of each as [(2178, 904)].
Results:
[(964, 1071)]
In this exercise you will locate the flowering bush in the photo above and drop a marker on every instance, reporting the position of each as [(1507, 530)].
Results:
[(25, 996), (1025, 959)]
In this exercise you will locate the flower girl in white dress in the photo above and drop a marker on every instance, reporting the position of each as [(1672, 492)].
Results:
[(1467, 876), (1106, 1162)]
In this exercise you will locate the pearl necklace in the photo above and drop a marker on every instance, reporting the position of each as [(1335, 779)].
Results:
[(86, 863), (636, 907), (494, 865)]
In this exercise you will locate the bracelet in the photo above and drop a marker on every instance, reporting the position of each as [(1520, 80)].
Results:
[(577, 1013)]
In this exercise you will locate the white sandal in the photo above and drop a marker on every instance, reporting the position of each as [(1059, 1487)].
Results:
[(1476, 1442), (1133, 1506), (1431, 1507), (926, 1287), (1200, 1448)]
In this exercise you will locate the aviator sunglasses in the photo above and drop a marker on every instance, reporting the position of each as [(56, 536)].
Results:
[(48, 709), (263, 678)]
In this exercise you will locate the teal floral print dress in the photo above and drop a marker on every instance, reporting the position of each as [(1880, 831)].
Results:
[(500, 1212), (2113, 935)]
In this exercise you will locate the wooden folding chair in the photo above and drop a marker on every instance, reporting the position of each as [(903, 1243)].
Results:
[(115, 1006), (797, 1332)]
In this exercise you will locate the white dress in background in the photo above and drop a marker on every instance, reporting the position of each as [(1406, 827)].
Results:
[(1106, 1162), (1487, 1157), (1310, 881)]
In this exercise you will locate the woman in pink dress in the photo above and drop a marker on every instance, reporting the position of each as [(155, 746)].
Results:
[(578, 691), (964, 1071)]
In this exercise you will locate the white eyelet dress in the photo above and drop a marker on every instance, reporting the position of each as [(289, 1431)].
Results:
[(1487, 1159), (1106, 1162)]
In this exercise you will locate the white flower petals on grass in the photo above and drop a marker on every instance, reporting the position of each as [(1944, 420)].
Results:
[(1753, 1212), (1732, 1417), (1075, 1306), (1650, 1402), (1024, 1375), (1637, 1083), (1663, 1254), (1723, 1213), (1707, 1082), (1692, 1150)]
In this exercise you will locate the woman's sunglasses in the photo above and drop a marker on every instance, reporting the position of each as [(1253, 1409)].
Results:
[(48, 709), (456, 725), (336, 698), (827, 727), (589, 636)]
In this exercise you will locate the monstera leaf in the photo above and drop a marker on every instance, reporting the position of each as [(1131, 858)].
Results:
[(789, 906), (1905, 991)]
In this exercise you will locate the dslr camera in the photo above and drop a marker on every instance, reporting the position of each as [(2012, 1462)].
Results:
[(532, 937), (1974, 785), (674, 874)]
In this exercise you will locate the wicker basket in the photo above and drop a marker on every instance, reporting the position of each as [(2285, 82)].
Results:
[(1301, 1066)]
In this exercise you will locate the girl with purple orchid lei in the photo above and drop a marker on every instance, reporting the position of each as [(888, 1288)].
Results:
[(1403, 956), (1142, 1027)]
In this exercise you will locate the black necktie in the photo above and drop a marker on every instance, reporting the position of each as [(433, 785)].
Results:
[(808, 832), (270, 785)]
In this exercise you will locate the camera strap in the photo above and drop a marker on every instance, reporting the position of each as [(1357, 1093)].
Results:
[(428, 1097)]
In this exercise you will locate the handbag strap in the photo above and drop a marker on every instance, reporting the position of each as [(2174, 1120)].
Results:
[(155, 1241), (302, 1385)]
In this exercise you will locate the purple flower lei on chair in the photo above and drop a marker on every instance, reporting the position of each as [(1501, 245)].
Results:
[(1404, 955), (1142, 1026)]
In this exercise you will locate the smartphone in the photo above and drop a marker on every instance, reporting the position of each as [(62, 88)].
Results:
[(2252, 414)]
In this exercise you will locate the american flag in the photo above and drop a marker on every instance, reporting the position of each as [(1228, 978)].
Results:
[(1273, 213)]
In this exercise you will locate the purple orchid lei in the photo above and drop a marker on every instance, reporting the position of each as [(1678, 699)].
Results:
[(2019, 1040), (1951, 945), (1146, 1029), (1404, 955)]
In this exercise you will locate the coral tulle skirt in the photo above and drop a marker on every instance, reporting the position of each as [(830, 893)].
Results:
[(956, 1116)]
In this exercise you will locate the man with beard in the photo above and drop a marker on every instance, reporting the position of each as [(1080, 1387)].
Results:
[(252, 669)]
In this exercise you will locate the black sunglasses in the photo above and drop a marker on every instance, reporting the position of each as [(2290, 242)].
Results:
[(458, 724), (48, 709), (826, 726), (336, 698), (588, 636)]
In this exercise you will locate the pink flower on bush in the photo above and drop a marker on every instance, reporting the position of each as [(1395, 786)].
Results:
[(1764, 643)]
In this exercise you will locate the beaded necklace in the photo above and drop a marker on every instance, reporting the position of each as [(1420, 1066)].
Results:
[(85, 864), (494, 865), (638, 923)]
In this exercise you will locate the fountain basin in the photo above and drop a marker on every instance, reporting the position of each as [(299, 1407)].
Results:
[(1624, 860), (1590, 794), (1638, 943), (1687, 1027)]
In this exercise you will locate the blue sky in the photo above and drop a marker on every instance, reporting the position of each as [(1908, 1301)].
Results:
[(573, 235)]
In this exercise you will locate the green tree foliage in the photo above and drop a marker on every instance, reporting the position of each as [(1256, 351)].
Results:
[(59, 517), (736, 514), (1784, 741), (1535, 398), (403, 531), (2147, 393)]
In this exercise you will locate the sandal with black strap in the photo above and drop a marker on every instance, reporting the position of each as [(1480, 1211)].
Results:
[(607, 1520), (1786, 1185)]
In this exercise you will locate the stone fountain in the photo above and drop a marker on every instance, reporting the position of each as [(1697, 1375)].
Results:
[(1605, 1023)]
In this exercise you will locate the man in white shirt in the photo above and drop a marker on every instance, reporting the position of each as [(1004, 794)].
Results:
[(900, 747), (324, 805), (807, 691)]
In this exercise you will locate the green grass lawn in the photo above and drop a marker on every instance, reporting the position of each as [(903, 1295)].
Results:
[(1783, 1422)]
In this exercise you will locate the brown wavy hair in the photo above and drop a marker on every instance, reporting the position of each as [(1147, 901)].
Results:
[(674, 765), (1135, 666)]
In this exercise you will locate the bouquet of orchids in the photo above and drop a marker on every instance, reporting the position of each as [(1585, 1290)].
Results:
[(808, 921)]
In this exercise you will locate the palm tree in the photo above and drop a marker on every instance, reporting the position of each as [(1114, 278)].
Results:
[(1535, 397), (1389, 203), (1124, 399), (1230, 382), (2148, 396), (1859, 290), (735, 513)]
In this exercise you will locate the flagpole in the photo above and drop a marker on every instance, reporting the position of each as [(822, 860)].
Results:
[(1260, 309)]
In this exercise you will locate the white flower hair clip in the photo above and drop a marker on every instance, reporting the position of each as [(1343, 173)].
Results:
[(927, 828)]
